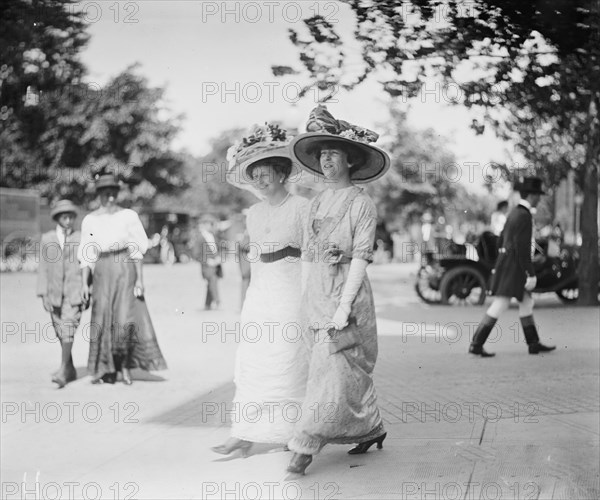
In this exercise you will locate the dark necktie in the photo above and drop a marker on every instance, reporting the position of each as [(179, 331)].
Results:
[(64, 251)]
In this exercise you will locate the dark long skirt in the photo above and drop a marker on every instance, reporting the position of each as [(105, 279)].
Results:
[(121, 330)]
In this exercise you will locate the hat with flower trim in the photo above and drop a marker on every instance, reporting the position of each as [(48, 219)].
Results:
[(368, 162), (262, 142)]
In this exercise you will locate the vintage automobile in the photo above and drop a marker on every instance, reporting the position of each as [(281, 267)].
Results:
[(450, 275)]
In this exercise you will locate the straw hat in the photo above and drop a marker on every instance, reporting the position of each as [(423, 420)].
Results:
[(262, 142), (368, 162), (62, 207)]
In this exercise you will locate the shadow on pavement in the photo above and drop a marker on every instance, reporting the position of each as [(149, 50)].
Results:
[(136, 374), (205, 410)]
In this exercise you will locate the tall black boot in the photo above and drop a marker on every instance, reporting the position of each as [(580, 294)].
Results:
[(532, 338), (481, 335)]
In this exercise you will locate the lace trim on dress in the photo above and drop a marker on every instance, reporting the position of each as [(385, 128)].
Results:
[(324, 227)]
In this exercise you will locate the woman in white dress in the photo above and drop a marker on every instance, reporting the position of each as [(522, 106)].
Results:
[(271, 361), (113, 243)]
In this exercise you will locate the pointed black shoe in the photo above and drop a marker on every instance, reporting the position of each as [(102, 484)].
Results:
[(480, 351), (107, 378), (364, 447), (539, 347)]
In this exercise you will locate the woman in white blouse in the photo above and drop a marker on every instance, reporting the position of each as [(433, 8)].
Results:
[(113, 243)]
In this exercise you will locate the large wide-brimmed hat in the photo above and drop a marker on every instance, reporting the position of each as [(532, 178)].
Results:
[(106, 181), (262, 142), (529, 185), (62, 207), (368, 162)]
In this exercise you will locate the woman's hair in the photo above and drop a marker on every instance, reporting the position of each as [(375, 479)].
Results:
[(354, 155), (279, 164)]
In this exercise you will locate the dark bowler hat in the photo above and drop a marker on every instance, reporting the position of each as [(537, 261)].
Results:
[(529, 185), (106, 181), (62, 207)]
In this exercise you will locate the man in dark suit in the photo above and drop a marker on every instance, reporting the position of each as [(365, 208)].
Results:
[(207, 253), (59, 284), (514, 275)]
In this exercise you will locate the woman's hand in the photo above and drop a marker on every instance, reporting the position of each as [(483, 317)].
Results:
[(85, 293), (138, 289)]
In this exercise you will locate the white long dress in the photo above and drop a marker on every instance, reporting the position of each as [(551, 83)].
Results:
[(272, 359)]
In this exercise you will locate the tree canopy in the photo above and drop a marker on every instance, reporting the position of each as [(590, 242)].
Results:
[(58, 130), (532, 70), (422, 177), (208, 190)]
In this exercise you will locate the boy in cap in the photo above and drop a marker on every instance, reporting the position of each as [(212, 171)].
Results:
[(514, 275), (59, 284)]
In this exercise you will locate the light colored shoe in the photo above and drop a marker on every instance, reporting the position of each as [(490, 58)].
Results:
[(232, 445)]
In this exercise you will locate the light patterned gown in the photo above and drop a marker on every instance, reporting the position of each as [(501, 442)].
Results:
[(340, 405), (272, 359)]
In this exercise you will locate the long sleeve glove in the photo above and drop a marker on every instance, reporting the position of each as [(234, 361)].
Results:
[(356, 274)]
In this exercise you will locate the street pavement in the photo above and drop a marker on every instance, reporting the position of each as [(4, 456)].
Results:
[(459, 427)]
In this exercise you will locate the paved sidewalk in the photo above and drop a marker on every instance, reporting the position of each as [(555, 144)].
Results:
[(459, 427)]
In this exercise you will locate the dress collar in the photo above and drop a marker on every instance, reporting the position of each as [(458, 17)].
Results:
[(525, 203)]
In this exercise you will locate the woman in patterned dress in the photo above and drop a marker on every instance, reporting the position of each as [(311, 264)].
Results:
[(340, 405), (271, 360)]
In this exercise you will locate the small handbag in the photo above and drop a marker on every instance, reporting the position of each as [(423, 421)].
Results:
[(340, 340), (219, 271)]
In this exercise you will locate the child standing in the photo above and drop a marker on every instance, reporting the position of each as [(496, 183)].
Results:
[(59, 284)]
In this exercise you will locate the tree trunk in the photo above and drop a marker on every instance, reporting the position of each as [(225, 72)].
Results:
[(588, 265)]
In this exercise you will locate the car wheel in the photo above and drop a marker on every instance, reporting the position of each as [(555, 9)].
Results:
[(427, 287), (463, 285)]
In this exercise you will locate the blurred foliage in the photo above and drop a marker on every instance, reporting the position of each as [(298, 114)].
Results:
[(531, 69), (39, 47), (58, 130), (423, 176), (207, 190)]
